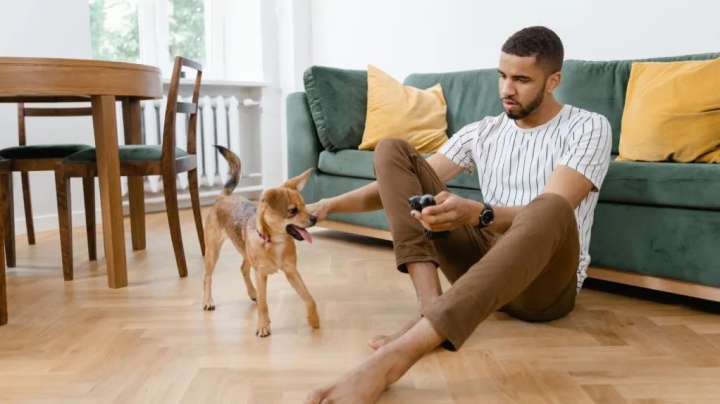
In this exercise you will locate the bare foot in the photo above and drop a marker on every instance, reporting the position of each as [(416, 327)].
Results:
[(380, 340), (367, 381), (364, 384)]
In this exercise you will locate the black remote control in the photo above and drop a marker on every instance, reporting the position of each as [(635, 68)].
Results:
[(419, 202)]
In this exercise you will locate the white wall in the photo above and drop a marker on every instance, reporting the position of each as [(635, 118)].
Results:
[(44, 28), (405, 36)]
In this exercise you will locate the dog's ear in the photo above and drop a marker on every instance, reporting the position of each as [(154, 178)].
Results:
[(298, 182), (277, 200)]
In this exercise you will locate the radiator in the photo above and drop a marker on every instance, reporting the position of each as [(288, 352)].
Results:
[(222, 120)]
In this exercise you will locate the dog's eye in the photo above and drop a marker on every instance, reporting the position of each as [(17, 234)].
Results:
[(293, 211)]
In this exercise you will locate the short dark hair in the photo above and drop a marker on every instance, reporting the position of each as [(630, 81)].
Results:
[(540, 42)]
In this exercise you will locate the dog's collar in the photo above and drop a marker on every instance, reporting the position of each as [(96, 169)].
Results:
[(265, 238)]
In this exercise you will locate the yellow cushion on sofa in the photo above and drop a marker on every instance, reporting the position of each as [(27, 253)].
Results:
[(672, 112), (395, 110)]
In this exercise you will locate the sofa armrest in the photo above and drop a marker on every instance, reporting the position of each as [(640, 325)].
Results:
[(303, 144)]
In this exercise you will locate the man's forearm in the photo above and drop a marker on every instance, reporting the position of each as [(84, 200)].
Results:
[(504, 216), (364, 199)]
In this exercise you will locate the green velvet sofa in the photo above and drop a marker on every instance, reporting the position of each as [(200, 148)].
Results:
[(657, 225)]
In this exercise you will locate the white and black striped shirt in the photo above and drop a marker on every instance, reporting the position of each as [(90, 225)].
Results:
[(514, 164)]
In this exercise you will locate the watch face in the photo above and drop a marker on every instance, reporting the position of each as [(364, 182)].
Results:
[(487, 217)]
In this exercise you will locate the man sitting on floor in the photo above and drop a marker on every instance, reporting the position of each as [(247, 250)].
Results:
[(523, 251)]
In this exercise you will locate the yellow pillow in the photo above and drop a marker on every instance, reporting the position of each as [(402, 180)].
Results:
[(406, 112), (672, 112)]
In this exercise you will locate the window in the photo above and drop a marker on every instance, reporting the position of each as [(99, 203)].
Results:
[(223, 35)]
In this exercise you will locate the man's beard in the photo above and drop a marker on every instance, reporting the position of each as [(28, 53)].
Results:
[(529, 109)]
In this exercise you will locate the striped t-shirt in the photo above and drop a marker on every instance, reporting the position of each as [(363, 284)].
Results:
[(513, 163)]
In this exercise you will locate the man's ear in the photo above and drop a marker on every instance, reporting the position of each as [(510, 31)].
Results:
[(553, 82), (277, 200), (300, 181)]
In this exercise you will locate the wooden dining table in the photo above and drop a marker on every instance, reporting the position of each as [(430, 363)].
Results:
[(103, 84)]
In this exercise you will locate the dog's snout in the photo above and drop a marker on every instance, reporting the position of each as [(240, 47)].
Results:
[(313, 219)]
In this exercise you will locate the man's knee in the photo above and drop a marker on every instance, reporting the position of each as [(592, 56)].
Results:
[(390, 149), (554, 206)]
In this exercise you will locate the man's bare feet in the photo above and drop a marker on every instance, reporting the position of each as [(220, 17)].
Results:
[(363, 384), (366, 382), (427, 287), (380, 340), (427, 290)]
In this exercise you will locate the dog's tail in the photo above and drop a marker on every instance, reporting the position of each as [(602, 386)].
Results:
[(234, 171)]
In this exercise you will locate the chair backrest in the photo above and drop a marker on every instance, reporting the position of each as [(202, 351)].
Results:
[(174, 107), (24, 112)]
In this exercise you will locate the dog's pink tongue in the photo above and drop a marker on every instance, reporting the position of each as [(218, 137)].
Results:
[(305, 234)]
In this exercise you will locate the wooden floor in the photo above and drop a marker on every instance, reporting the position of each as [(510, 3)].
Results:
[(80, 342)]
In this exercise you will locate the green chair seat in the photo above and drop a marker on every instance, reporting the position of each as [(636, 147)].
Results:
[(42, 151), (127, 154)]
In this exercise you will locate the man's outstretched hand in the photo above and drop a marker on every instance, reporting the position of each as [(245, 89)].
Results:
[(450, 212), (320, 209)]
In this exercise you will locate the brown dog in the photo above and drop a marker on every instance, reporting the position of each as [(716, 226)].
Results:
[(265, 237)]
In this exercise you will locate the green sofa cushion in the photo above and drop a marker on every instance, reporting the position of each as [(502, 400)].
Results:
[(48, 151), (359, 164), (127, 153), (338, 104), (689, 185), (659, 184), (600, 86), (470, 95)]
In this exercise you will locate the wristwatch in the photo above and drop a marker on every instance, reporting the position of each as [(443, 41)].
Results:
[(486, 216)]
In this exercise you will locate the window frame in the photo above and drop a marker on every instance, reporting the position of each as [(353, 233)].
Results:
[(223, 38)]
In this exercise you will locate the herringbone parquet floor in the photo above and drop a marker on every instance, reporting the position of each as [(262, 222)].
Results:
[(80, 342)]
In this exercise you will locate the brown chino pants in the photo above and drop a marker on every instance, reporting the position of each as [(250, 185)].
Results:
[(529, 273)]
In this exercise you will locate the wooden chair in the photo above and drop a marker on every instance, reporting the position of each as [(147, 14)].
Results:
[(5, 174), (26, 158), (165, 160)]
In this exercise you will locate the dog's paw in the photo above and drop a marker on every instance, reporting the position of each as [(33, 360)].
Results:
[(263, 331), (252, 293), (313, 319), (209, 307)]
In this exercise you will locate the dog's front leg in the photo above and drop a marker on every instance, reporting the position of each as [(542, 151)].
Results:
[(293, 276), (263, 329)]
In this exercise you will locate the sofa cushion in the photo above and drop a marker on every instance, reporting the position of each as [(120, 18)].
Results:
[(688, 185), (405, 112), (672, 112), (338, 104), (470, 95), (359, 164), (599, 86)]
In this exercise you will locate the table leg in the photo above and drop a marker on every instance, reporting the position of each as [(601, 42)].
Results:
[(132, 121), (108, 163), (9, 217), (3, 288)]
